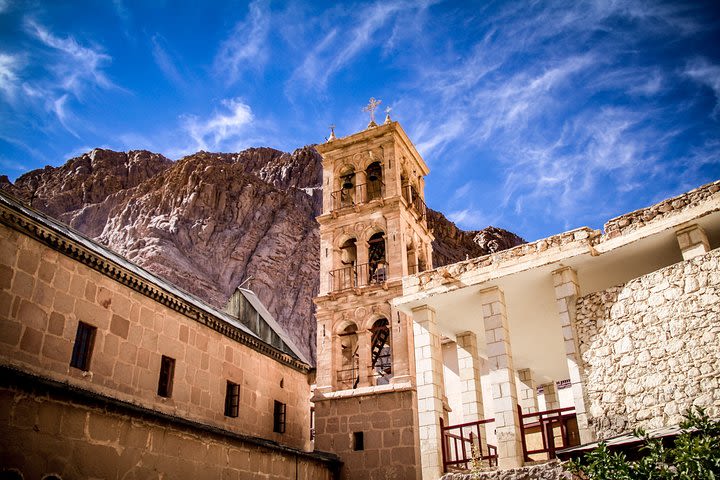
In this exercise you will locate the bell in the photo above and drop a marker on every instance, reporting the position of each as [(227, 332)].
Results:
[(347, 184), (373, 177)]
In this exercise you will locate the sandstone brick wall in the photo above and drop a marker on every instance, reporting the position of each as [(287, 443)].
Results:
[(43, 435), (651, 347), (388, 424), (43, 296)]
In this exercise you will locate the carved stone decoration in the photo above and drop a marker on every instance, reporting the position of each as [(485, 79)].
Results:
[(360, 313)]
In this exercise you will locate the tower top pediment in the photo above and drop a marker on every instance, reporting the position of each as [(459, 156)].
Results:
[(391, 130)]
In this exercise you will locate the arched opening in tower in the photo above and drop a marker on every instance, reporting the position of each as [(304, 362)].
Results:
[(374, 181), (347, 274), (349, 374), (381, 354), (347, 187), (376, 258)]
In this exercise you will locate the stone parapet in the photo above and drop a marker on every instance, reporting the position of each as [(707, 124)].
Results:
[(639, 218), (651, 347), (672, 213), (574, 239)]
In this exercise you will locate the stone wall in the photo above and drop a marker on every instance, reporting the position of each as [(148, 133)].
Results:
[(547, 471), (390, 440), (651, 347), (75, 436), (43, 296)]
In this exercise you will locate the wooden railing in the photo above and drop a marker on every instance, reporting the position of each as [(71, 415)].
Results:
[(458, 441), (357, 194), (415, 201), (354, 276), (546, 423)]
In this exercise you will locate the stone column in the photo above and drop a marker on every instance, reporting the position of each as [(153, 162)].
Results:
[(327, 256), (469, 365), (400, 326), (430, 389), (364, 358), (325, 373), (693, 241), (360, 187), (502, 376), (527, 391), (566, 292), (363, 257), (550, 393)]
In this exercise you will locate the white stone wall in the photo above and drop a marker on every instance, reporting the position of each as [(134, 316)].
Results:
[(552, 470), (651, 347)]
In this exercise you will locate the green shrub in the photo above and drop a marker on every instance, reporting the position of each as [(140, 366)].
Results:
[(693, 455)]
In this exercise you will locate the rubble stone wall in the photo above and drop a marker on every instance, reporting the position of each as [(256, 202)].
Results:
[(545, 471), (651, 347)]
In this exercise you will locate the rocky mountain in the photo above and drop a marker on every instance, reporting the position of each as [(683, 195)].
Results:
[(211, 221)]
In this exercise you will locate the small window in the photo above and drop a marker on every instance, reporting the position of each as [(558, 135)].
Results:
[(358, 441), (279, 417), (232, 399), (82, 350), (167, 371)]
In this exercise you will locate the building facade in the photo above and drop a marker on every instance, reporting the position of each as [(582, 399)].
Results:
[(629, 316), (373, 232), (110, 372)]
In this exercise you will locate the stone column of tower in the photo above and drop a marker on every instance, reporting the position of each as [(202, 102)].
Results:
[(373, 231)]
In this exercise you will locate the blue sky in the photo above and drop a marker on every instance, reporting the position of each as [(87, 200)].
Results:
[(537, 117)]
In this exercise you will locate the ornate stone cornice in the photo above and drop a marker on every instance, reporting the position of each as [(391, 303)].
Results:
[(75, 245)]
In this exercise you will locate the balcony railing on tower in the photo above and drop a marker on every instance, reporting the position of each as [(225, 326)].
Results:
[(415, 201), (354, 276), (358, 194)]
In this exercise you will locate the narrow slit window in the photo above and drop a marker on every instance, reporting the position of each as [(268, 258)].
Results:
[(167, 371), (358, 441), (279, 417), (82, 350), (232, 399)]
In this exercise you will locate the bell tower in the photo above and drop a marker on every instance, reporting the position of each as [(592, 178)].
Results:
[(373, 231)]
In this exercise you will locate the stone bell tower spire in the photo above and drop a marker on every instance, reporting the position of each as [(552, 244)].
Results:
[(373, 231)]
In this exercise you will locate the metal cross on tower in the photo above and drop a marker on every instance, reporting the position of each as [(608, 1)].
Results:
[(371, 107)]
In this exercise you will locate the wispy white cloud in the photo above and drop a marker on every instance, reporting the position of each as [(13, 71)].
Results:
[(166, 63), (9, 66), (594, 149), (245, 48), (64, 116), (708, 74), (221, 128), (12, 165), (470, 218), (344, 41), (4, 5), (71, 69), (78, 66)]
